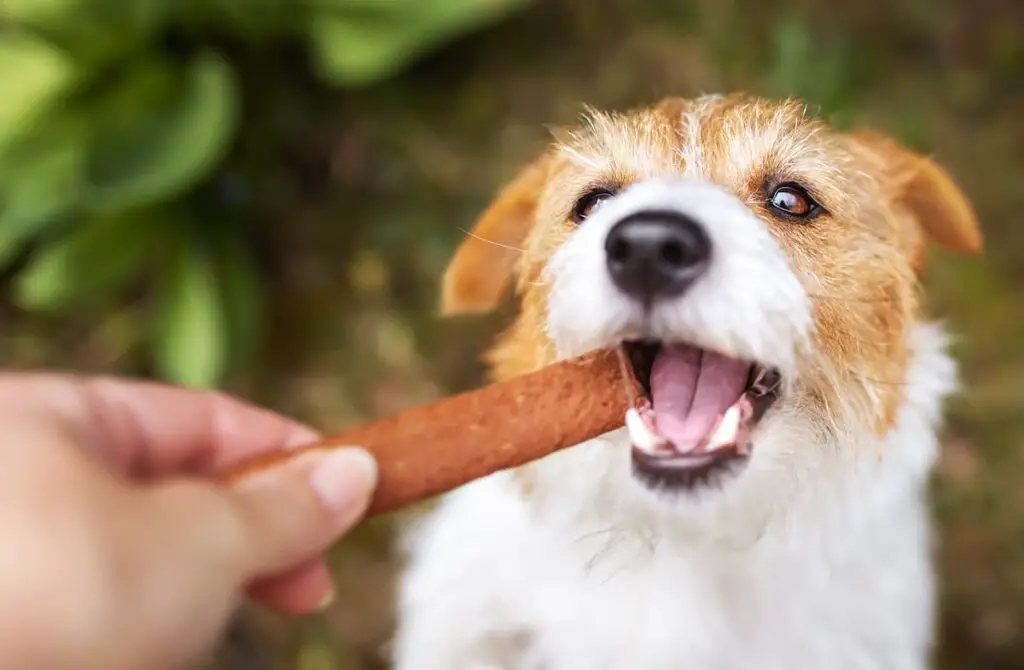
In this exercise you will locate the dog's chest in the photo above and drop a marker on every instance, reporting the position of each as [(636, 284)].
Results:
[(634, 606), (606, 601), (553, 597)]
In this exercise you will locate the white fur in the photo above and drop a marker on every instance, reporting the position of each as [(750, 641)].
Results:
[(816, 555)]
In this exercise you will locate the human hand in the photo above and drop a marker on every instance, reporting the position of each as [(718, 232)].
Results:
[(118, 551)]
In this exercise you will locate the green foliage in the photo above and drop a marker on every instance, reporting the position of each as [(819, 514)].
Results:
[(810, 69), (159, 132), (117, 114), (359, 41), (190, 333), (88, 262), (34, 73)]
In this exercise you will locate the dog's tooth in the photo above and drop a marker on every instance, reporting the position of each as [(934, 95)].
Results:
[(728, 427), (639, 433)]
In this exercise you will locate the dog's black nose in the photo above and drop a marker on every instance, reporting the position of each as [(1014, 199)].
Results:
[(656, 254)]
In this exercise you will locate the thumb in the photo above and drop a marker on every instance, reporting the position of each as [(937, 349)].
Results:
[(294, 512), (181, 582)]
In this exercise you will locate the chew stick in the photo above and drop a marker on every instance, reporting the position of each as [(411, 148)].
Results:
[(432, 449)]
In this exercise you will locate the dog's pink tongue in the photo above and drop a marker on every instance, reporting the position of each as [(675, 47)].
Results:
[(690, 389)]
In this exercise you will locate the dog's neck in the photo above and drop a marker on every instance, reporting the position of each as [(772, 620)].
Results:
[(840, 485)]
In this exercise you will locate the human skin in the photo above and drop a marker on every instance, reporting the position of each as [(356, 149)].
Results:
[(119, 550)]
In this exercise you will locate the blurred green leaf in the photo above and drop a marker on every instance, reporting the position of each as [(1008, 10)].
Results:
[(95, 258), (32, 76), (46, 187), (162, 135), (40, 12), (40, 178), (792, 55), (12, 240), (244, 307), (248, 19), (95, 31), (61, 14), (358, 41), (43, 192), (190, 339), (811, 70)]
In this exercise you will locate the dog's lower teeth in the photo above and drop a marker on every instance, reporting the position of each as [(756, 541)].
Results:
[(727, 429), (640, 434)]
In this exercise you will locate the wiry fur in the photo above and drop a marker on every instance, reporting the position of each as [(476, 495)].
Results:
[(814, 555)]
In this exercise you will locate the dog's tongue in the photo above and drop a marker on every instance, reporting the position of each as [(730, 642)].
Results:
[(690, 389)]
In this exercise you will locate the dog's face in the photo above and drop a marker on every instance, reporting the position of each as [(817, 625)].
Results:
[(755, 266)]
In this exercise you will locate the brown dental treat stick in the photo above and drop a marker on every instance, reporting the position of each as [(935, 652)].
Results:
[(432, 449)]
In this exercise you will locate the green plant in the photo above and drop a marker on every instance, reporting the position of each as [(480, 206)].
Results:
[(811, 68), (115, 113)]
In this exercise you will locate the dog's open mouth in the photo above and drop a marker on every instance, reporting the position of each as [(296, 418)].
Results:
[(700, 410)]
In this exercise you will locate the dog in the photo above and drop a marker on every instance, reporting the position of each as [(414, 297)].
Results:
[(765, 507)]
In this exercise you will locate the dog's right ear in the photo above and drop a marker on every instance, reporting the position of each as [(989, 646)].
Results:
[(940, 208), (479, 273)]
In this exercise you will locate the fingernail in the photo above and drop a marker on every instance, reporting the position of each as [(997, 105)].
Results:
[(344, 478)]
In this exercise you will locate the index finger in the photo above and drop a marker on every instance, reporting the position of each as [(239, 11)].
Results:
[(150, 429)]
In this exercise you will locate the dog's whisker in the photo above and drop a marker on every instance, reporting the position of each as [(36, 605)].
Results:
[(837, 298), (614, 539), (470, 233), (883, 382), (624, 368), (628, 565), (596, 533)]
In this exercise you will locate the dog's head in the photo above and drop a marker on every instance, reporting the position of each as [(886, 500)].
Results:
[(758, 268)]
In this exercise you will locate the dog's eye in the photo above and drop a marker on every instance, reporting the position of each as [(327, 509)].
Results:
[(590, 203), (792, 200)]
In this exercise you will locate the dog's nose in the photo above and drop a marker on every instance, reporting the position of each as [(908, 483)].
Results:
[(656, 254)]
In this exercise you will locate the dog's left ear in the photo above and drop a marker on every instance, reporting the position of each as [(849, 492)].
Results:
[(479, 273), (928, 192)]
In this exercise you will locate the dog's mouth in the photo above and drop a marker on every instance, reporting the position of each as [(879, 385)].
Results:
[(700, 410)]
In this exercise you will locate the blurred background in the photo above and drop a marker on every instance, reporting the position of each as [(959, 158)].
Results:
[(260, 195)]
